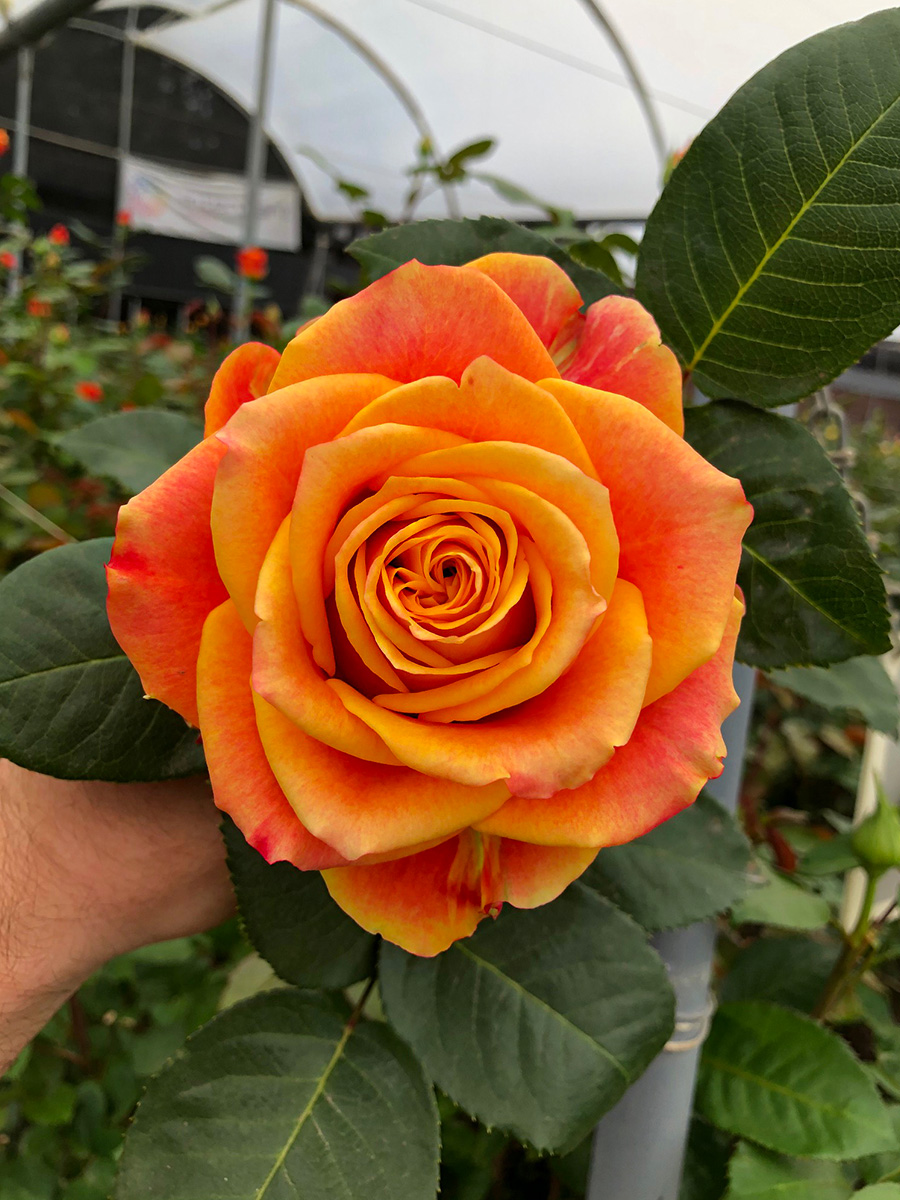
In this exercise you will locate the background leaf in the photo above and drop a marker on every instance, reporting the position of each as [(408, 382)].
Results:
[(293, 922), (757, 1174), (781, 902), (71, 704), (780, 1079), (280, 1098), (784, 970), (814, 592), (133, 448), (770, 260), (705, 1174), (458, 242), (540, 1020), (687, 869), (859, 685)]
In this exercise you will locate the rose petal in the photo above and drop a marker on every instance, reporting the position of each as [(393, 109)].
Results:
[(360, 807), (417, 321), (489, 404), (558, 739), (244, 375), (536, 285), (679, 521), (162, 577), (255, 487), (426, 902), (243, 783), (620, 351), (675, 748)]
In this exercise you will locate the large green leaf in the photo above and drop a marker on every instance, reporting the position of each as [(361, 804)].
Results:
[(540, 1020), (781, 902), (687, 869), (284, 1098), (858, 685), (705, 1173), (293, 922), (458, 242), (785, 970), (133, 448), (770, 260), (879, 1191), (813, 590), (780, 1079), (71, 704), (757, 1174)]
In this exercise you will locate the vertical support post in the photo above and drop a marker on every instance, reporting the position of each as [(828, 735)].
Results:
[(21, 129), (123, 142), (639, 1146), (256, 160)]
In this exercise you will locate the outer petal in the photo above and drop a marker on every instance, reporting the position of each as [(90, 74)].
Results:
[(244, 375), (414, 322), (557, 740), (243, 783), (490, 404), (675, 748), (361, 807), (162, 577), (536, 285), (620, 351), (427, 901), (255, 487), (679, 521)]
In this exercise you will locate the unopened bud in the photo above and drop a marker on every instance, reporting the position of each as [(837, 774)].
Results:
[(876, 841)]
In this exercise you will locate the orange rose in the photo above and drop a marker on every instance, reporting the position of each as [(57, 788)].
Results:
[(447, 621), (89, 390), (58, 236), (252, 262)]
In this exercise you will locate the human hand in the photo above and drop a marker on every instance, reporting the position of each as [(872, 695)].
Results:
[(92, 870)]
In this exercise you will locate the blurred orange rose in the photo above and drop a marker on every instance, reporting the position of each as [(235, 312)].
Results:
[(58, 236), (252, 262), (89, 390), (448, 622), (4, 142), (37, 308), (7, 260)]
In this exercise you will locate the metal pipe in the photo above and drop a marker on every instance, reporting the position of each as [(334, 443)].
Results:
[(256, 161), (123, 142), (638, 1151), (33, 24)]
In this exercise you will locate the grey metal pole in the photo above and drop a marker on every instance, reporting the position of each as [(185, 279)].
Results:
[(256, 155), (33, 24), (123, 144), (638, 1151), (24, 81)]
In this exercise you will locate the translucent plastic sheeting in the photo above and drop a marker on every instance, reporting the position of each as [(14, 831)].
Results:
[(538, 75)]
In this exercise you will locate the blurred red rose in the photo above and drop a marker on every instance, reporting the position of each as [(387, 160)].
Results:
[(58, 236), (89, 390), (7, 258), (252, 262), (38, 308)]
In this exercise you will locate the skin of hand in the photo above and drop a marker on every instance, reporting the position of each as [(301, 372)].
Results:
[(92, 870)]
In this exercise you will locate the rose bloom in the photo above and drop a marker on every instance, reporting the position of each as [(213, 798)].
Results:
[(123, 218), (252, 262), (89, 390), (7, 260), (58, 236), (448, 622), (4, 142), (37, 308)]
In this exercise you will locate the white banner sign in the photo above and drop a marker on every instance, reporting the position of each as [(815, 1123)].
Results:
[(207, 206)]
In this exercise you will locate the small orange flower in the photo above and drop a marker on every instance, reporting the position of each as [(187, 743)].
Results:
[(252, 262), (89, 390), (4, 141), (7, 258), (123, 218), (37, 308), (58, 236)]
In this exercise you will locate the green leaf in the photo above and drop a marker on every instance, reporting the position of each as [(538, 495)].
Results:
[(784, 970), (770, 260), (782, 903), (833, 856), (687, 869), (879, 1191), (458, 242), (540, 1020), (880, 1168), (597, 255), (285, 1098), (814, 592), (293, 922), (780, 1079), (133, 448), (214, 273), (859, 685), (757, 1174), (705, 1174), (454, 167), (71, 704)]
